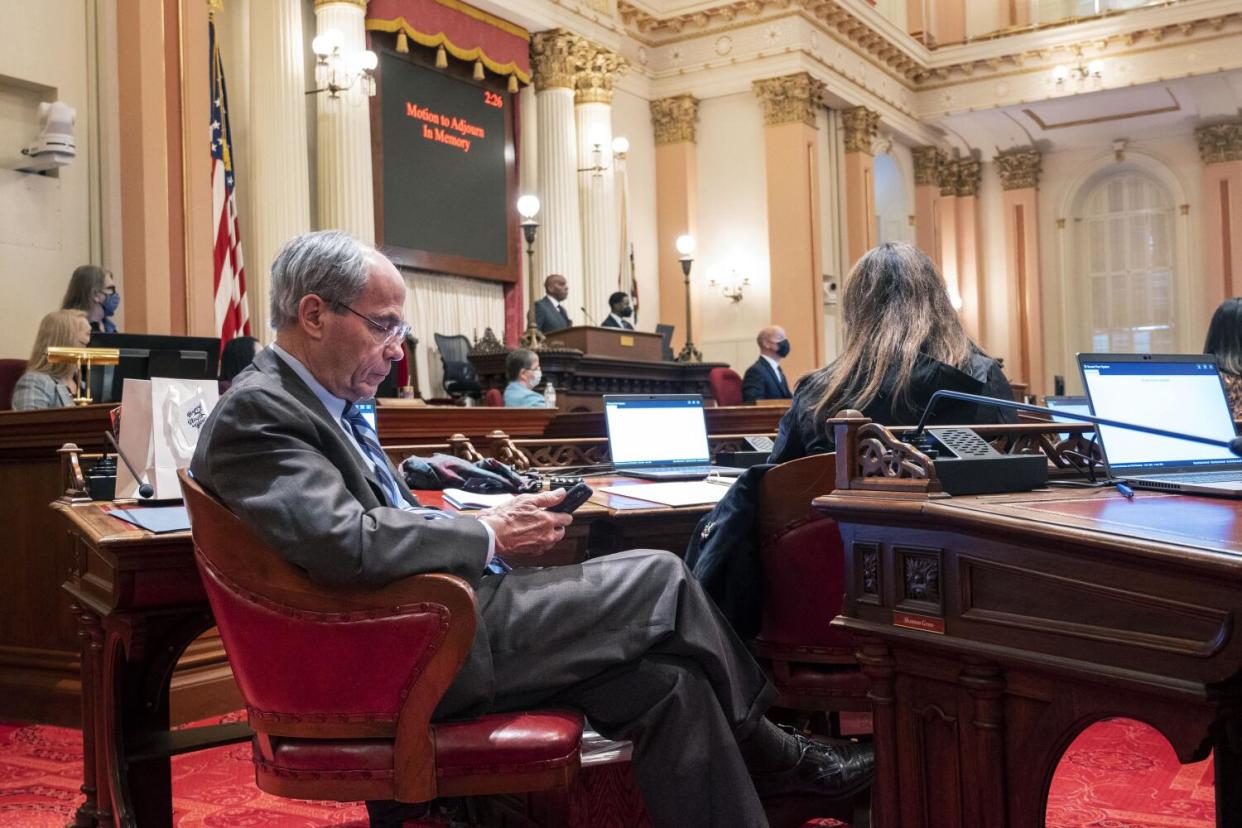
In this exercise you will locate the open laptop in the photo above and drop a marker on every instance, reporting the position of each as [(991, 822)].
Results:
[(1071, 404), (1179, 392), (660, 437)]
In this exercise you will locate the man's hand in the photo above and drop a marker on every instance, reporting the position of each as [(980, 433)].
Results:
[(524, 527)]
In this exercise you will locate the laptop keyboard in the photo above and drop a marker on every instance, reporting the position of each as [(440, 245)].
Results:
[(1204, 477)]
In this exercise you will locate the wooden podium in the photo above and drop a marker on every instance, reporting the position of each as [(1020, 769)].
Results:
[(586, 362)]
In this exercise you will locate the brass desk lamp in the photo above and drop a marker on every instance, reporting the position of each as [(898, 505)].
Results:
[(83, 358)]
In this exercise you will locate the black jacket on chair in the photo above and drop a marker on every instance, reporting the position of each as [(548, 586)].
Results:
[(548, 318), (761, 383)]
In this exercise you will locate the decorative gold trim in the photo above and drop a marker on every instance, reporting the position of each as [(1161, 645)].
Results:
[(484, 17), (790, 99), (860, 126), (554, 56), (1019, 168), (674, 118), (927, 164), (1060, 224), (362, 4), (401, 25), (597, 69), (214, 6), (1219, 143)]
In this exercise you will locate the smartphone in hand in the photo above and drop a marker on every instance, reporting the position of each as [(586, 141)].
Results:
[(575, 497)]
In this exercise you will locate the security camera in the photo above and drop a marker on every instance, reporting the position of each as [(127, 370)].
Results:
[(55, 146)]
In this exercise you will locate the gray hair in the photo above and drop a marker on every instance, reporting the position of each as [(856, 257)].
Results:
[(328, 263)]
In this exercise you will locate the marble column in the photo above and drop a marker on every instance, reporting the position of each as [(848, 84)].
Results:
[(790, 105), (970, 280), (1024, 349), (946, 227), (554, 58), (280, 174), (677, 186), (1220, 148), (927, 163), (859, 125), (597, 195), (346, 196)]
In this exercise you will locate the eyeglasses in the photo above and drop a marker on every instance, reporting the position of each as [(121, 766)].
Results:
[(392, 331)]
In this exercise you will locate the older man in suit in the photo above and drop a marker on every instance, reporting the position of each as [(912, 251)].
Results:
[(550, 313), (629, 639), (764, 380)]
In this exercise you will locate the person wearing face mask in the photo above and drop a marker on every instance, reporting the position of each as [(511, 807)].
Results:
[(92, 290), (523, 372), (620, 312), (765, 380)]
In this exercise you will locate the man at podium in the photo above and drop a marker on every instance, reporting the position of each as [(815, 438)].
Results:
[(550, 313)]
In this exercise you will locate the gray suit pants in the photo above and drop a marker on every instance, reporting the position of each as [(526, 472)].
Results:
[(632, 641)]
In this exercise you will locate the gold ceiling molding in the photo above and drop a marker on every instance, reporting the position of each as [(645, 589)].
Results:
[(1019, 168), (860, 125), (673, 119), (790, 99), (882, 52), (1219, 143), (927, 164)]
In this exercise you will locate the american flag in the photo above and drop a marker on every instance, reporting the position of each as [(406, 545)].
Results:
[(229, 274)]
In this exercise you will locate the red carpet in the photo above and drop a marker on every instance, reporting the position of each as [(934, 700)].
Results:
[(1118, 774)]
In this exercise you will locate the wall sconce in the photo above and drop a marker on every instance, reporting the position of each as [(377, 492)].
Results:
[(731, 289), (620, 148), (336, 72), (1079, 72)]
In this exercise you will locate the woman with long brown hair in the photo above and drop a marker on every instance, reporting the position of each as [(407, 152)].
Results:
[(48, 385), (92, 290), (903, 342)]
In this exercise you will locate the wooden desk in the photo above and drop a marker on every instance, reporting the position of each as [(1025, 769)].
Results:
[(995, 628), (139, 604)]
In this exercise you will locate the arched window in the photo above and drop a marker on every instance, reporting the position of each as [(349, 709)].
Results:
[(1128, 265)]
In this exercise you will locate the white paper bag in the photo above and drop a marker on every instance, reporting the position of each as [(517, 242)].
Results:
[(160, 422)]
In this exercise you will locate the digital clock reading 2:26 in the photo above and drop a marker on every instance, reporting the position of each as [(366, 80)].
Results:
[(493, 99)]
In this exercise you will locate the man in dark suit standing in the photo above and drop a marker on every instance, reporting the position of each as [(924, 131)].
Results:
[(550, 313), (765, 380), (620, 312), (629, 639)]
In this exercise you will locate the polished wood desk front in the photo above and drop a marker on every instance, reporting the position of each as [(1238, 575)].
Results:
[(139, 605), (995, 628)]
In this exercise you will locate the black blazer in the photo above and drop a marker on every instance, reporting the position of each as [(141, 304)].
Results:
[(609, 322), (761, 383), (548, 318)]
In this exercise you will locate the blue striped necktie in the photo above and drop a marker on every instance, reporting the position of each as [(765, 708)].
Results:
[(369, 441)]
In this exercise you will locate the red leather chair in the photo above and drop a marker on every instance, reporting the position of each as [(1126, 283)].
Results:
[(11, 371), (340, 683), (811, 663), (726, 386), (492, 398)]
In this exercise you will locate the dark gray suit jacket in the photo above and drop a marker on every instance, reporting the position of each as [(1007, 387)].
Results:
[(548, 318), (275, 457)]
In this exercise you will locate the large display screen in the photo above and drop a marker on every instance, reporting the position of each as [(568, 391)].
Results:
[(446, 162)]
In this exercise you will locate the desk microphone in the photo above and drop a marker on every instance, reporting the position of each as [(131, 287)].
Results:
[(145, 490), (587, 317), (1234, 445)]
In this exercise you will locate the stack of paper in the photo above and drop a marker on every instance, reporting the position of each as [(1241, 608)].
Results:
[(462, 499), (690, 493)]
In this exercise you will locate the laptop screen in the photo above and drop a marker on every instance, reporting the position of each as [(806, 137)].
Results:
[(1178, 393), (656, 430), (1072, 405)]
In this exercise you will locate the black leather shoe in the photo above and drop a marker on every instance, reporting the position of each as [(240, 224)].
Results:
[(835, 771)]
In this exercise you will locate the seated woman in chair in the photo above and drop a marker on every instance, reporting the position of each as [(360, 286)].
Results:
[(45, 385), (903, 342)]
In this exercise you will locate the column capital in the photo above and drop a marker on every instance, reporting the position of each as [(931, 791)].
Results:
[(554, 58), (674, 118), (596, 70), (790, 99), (860, 126), (927, 164), (319, 4), (1019, 168), (960, 177), (1220, 142)]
